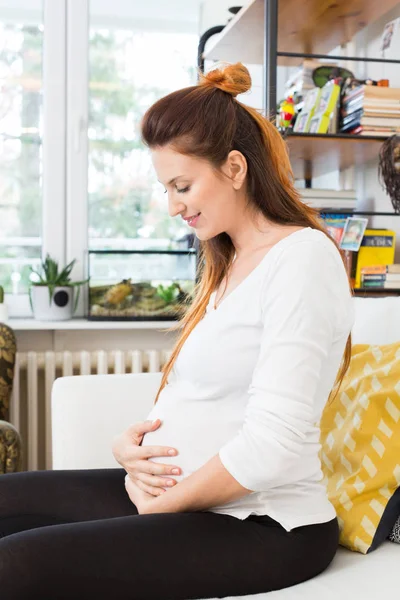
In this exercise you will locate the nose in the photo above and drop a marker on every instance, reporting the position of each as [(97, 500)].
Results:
[(175, 208)]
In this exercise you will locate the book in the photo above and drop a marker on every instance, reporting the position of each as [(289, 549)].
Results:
[(377, 248), (381, 269), (372, 131), (330, 204), (326, 193), (391, 285)]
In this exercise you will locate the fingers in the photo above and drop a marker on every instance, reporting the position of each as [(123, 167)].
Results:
[(142, 427), (155, 481), (152, 468), (149, 451), (154, 491)]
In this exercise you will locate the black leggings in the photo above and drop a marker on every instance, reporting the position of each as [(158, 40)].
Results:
[(76, 535)]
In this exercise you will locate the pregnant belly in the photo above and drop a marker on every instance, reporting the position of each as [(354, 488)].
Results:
[(196, 429)]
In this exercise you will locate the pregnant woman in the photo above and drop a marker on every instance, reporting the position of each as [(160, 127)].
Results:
[(240, 506)]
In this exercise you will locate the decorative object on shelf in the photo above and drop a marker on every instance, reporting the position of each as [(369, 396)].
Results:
[(353, 233), (52, 296), (377, 248), (286, 113), (3, 306), (10, 441), (140, 285), (389, 169), (325, 108), (304, 117), (325, 73), (390, 40)]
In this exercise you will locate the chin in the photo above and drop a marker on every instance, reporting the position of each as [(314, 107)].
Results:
[(206, 235)]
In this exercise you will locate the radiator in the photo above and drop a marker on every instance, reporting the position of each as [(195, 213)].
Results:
[(35, 372)]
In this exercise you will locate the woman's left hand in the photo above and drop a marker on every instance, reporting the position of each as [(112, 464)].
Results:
[(142, 500)]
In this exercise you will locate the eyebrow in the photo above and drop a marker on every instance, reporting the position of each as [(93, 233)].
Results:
[(174, 179)]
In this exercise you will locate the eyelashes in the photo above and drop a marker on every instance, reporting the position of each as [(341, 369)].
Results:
[(180, 191)]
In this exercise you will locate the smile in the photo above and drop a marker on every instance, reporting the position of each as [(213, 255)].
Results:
[(192, 220)]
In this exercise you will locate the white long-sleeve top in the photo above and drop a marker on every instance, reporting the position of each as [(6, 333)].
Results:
[(253, 377)]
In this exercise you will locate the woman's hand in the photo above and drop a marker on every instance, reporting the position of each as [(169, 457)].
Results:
[(142, 500), (145, 474)]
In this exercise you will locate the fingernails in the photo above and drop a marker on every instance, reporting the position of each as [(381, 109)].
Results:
[(175, 471), (171, 452)]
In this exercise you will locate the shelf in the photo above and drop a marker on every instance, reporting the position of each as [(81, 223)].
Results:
[(20, 324), (314, 27), (376, 292), (312, 155)]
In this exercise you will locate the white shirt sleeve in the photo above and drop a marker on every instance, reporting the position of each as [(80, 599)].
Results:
[(299, 325)]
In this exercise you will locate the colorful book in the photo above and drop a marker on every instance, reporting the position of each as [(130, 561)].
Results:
[(377, 248)]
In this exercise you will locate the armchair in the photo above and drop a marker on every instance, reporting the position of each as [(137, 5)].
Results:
[(10, 440)]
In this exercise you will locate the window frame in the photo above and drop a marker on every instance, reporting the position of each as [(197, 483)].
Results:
[(53, 143)]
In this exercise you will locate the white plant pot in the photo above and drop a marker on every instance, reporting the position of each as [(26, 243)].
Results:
[(3, 312), (60, 308)]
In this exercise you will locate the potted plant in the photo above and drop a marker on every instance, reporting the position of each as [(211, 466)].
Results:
[(52, 295), (3, 306)]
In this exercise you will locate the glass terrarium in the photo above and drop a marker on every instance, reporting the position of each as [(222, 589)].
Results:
[(140, 284)]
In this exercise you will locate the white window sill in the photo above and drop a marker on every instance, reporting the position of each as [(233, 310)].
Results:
[(21, 324)]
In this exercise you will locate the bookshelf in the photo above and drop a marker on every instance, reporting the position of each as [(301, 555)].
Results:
[(282, 32), (276, 33)]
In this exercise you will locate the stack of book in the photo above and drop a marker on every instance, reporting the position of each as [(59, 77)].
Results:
[(371, 110), (381, 276), (377, 250), (329, 199)]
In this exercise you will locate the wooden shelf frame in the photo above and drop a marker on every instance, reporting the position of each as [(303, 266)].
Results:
[(312, 154), (314, 28)]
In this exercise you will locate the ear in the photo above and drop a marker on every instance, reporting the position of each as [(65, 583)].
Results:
[(236, 166)]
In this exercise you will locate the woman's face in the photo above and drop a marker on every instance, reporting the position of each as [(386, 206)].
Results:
[(194, 187)]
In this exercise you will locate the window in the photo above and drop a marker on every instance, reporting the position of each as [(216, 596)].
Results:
[(76, 78), (21, 156), (128, 71)]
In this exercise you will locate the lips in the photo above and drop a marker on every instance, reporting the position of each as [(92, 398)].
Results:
[(190, 218), (192, 221)]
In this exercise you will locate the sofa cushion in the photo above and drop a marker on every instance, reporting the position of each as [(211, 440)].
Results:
[(360, 447), (350, 575)]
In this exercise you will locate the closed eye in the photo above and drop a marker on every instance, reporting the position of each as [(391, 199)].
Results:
[(183, 190)]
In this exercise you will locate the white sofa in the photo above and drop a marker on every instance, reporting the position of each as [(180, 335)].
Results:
[(88, 411)]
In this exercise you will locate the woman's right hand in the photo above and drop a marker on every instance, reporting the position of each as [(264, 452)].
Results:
[(148, 475)]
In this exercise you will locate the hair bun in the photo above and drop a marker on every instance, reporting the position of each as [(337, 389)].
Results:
[(232, 79)]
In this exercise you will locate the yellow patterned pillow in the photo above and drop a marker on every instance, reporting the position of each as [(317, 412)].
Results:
[(360, 447)]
